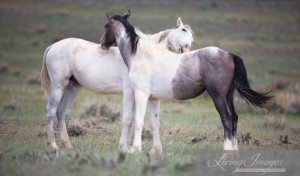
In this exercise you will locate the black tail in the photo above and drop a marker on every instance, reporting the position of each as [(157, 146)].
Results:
[(242, 86)]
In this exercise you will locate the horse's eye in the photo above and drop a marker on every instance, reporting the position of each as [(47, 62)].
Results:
[(106, 26), (184, 30)]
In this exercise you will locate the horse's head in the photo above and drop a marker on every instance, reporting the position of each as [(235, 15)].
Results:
[(114, 29), (181, 38)]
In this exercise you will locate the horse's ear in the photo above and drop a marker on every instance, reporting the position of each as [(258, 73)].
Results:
[(179, 22), (127, 14), (107, 16)]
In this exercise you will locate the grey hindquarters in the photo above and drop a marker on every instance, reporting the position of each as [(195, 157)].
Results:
[(217, 68), (201, 70), (210, 69), (187, 82)]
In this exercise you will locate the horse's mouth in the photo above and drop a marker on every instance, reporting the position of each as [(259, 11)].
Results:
[(181, 49)]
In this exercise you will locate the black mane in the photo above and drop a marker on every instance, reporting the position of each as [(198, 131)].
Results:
[(130, 31)]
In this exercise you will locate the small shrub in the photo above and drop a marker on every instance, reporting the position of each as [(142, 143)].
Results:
[(13, 105), (75, 128), (41, 28), (287, 102), (105, 112), (3, 67), (35, 42), (274, 124), (33, 78), (57, 38), (282, 83), (17, 72), (109, 113), (296, 129)]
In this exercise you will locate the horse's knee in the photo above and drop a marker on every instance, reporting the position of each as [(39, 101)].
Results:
[(50, 113), (155, 125), (61, 113), (126, 122)]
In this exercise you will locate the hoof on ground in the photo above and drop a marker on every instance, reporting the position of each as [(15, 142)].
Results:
[(156, 150), (135, 150), (53, 145)]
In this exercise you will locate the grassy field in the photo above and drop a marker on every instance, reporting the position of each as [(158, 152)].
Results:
[(264, 33)]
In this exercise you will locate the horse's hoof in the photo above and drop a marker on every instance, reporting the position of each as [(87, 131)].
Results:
[(53, 145), (66, 144), (156, 150), (135, 150), (124, 148)]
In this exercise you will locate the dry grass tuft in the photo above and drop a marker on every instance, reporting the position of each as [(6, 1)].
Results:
[(282, 83), (175, 129), (105, 112), (198, 139), (17, 72), (41, 28), (57, 38), (274, 124), (287, 102), (33, 78), (3, 67), (13, 105), (76, 128), (296, 129)]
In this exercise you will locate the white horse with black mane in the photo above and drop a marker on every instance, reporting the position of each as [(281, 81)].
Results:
[(73, 63), (156, 73)]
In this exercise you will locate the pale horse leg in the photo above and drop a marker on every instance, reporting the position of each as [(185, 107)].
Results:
[(154, 107), (128, 107), (141, 99), (57, 90), (63, 109)]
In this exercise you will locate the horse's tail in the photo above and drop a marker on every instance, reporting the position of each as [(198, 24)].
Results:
[(241, 83), (44, 76)]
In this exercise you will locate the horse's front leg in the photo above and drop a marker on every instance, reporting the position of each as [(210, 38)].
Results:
[(154, 107), (141, 99), (128, 103)]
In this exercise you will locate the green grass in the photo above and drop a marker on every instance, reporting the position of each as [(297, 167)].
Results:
[(264, 33)]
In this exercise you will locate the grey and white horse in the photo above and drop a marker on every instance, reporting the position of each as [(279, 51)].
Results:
[(73, 63), (155, 73)]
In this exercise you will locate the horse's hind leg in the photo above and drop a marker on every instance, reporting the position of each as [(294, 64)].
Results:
[(225, 115), (154, 106), (51, 109), (68, 98), (234, 119)]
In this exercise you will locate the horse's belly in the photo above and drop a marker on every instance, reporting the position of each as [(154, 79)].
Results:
[(107, 89), (102, 83)]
